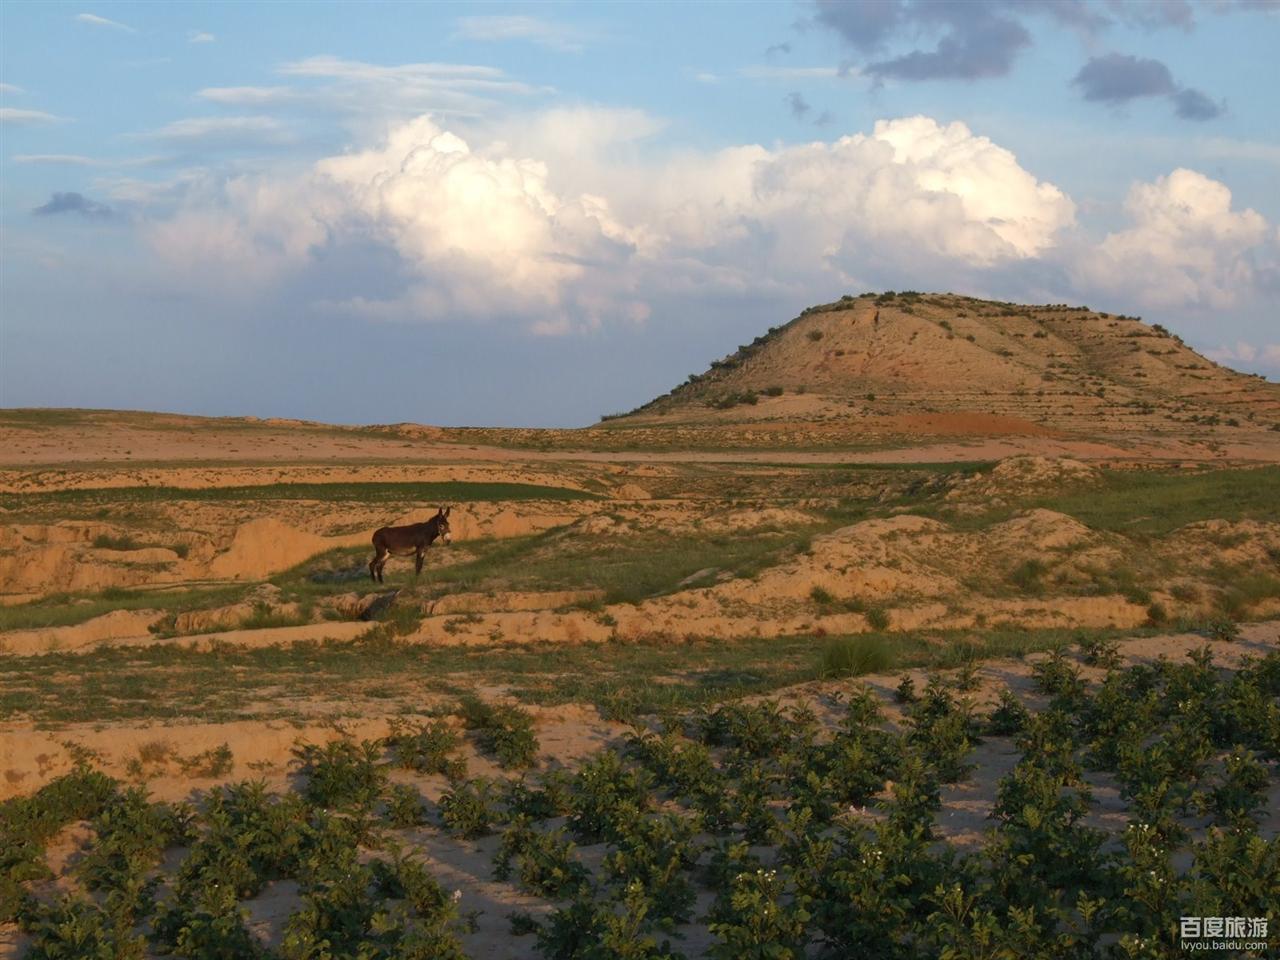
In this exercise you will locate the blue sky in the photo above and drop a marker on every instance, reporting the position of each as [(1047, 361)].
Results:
[(535, 214)]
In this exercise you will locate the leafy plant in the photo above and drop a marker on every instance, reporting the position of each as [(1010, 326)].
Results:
[(1222, 629), (342, 774), (758, 920), (470, 808), (503, 730), (544, 861), (430, 748), (605, 794)]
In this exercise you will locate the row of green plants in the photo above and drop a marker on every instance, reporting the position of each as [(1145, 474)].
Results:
[(784, 832)]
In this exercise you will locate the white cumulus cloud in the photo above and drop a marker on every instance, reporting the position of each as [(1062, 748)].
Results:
[(574, 225), (1186, 245)]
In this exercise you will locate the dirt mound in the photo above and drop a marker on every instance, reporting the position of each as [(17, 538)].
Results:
[(17, 536), (630, 491), (1039, 530), (1024, 476), (110, 626), (265, 546), (79, 556), (475, 521), (263, 601)]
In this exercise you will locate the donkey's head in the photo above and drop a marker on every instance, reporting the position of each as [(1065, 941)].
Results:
[(442, 524)]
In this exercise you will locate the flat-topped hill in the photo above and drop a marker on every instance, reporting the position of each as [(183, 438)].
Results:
[(947, 364)]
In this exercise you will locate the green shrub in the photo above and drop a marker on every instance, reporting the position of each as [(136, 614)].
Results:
[(877, 618), (855, 656), (905, 692), (544, 862), (1222, 629), (470, 808), (105, 541), (503, 730), (405, 807), (342, 773), (1242, 788), (430, 748), (1028, 576), (1096, 652), (1009, 716), (605, 793)]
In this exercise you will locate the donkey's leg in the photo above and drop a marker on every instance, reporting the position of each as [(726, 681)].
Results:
[(417, 560), (374, 567)]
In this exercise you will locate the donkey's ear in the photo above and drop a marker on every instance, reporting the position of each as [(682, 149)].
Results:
[(446, 510)]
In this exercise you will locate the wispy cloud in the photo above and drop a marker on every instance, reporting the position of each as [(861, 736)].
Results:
[(79, 160), (18, 117), (10, 88), (798, 105), (340, 69), (1258, 357), (373, 93), (65, 159), (544, 33), (200, 36), (97, 21), (250, 96), (801, 110), (76, 203), (1227, 148), (224, 132), (766, 72)]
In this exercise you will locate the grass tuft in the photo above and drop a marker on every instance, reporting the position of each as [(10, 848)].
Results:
[(854, 656)]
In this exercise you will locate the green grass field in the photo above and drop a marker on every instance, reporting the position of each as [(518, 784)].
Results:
[(448, 492), (624, 680)]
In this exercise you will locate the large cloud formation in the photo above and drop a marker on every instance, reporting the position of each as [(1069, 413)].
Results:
[(485, 230), (1185, 246)]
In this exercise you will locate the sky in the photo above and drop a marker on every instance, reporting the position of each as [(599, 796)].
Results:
[(536, 214)]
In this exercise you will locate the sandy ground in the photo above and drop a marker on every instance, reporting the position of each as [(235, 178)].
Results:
[(909, 450)]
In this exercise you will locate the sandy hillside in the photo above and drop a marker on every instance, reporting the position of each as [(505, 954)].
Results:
[(945, 365)]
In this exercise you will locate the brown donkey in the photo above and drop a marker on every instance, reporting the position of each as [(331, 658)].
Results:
[(414, 538)]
